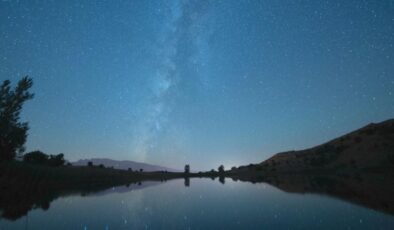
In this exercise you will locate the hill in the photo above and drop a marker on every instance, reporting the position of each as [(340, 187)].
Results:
[(368, 148), (124, 165)]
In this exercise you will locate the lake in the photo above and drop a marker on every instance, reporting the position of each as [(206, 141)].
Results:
[(204, 204)]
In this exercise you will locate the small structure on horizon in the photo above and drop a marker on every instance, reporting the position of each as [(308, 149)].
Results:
[(187, 168)]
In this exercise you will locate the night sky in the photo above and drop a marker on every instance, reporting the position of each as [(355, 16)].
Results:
[(200, 82)]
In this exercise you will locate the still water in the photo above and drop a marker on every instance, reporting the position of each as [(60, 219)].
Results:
[(204, 204)]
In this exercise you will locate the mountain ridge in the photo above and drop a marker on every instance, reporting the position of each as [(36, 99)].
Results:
[(124, 164), (369, 147)]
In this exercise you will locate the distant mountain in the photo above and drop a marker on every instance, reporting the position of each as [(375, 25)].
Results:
[(125, 165), (371, 147)]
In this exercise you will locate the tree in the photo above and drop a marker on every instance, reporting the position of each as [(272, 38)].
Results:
[(13, 133), (90, 164), (56, 160), (35, 157), (221, 169), (38, 157), (187, 169)]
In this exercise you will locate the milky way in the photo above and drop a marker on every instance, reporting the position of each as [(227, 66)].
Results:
[(198, 82), (182, 22)]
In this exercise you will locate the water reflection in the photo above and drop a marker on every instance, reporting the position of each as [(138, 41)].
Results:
[(373, 191), (187, 181), (222, 179)]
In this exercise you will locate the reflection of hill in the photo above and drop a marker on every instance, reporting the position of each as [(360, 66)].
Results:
[(17, 202), (24, 187), (27, 187), (126, 188), (373, 191)]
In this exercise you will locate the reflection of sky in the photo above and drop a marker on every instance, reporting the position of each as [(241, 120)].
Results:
[(205, 204), (199, 82)]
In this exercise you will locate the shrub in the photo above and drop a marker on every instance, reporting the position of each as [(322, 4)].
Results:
[(35, 157), (38, 157), (56, 160)]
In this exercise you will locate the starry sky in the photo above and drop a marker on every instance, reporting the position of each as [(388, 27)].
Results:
[(199, 82)]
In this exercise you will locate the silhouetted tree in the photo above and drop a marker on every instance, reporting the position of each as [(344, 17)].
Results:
[(56, 160), (13, 133), (141, 170), (35, 157), (90, 164), (221, 169), (129, 169), (38, 157), (101, 166), (187, 169)]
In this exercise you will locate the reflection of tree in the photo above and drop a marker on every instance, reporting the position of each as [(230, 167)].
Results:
[(187, 182), (187, 169), (222, 179), (29, 187)]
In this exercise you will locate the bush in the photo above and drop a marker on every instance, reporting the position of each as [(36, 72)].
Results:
[(56, 160), (38, 157), (35, 157)]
